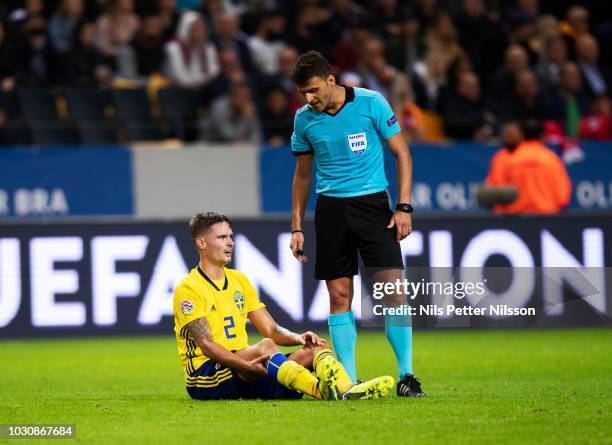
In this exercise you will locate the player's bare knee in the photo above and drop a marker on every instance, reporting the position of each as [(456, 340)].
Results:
[(303, 357), (267, 346)]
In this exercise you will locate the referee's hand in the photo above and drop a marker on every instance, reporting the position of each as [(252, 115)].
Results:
[(297, 247), (402, 222)]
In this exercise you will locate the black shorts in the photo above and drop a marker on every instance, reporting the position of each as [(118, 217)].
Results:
[(345, 226)]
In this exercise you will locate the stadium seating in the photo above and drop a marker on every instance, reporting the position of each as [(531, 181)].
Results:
[(133, 112), (90, 109), (180, 108), (40, 110), (14, 128)]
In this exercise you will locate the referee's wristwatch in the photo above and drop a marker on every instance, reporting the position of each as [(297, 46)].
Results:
[(404, 207)]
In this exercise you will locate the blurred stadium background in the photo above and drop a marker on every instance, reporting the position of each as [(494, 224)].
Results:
[(119, 119)]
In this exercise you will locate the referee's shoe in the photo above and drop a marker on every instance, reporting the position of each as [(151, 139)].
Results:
[(409, 386)]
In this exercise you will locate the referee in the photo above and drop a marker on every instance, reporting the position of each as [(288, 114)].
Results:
[(342, 130)]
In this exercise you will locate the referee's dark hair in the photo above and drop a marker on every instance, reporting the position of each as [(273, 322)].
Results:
[(309, 65), (202, 222), (532, 128)]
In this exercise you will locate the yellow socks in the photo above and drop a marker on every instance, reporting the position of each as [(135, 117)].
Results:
[(325, 357), (294, 376)]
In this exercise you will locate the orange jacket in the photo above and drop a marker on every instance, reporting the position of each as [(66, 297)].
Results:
[(539, 175)]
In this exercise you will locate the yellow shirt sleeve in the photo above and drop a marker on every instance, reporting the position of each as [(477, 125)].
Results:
[(188, 306)]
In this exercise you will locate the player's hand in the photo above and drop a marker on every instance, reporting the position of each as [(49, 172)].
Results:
[(310, 339), (402, 222), (297, 247), (258, 366)]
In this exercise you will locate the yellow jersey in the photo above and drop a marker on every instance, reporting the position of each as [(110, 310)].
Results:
[(225, 304)]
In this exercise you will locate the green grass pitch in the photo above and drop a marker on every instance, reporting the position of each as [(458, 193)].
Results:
[(489, 386)]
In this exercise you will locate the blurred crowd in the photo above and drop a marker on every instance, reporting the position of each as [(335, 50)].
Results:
[(450, 69)]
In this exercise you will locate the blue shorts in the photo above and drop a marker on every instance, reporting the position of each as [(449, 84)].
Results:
[(213, 381)]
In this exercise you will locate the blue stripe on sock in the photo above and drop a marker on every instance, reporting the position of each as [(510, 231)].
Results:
[(343, 333), (275, 362)]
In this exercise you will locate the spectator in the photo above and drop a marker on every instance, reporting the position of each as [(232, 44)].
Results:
[(116, 27), (525, 10), (406, 48), (7, 63), (311, 29), (536, 172), (61, 39), (33, 53), (547, 27), (597, 125), (442, 49), (168, 17), (276, 118), (95, 8), (576, 23), (387, 14), (191, 58), (567, 101), (211, 9), (87, 66), (551, 60), (230, 71), (143, 56), (426, 11), (408, 113), (18, 17), (480, 36), (62, 24), (465, 113), (442, 38), (233, 117), (458, 66), (265, 45), (347, 52), (374, 71), (286, 61), (344, 14), (430, 80), (516, 60), (228, 36), (521, 24), (528, 102), (595, 78)]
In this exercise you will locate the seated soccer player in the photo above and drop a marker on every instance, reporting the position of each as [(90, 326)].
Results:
[(211, 308)]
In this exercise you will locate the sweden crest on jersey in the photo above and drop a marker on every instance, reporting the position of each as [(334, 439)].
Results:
[(239, 301)]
